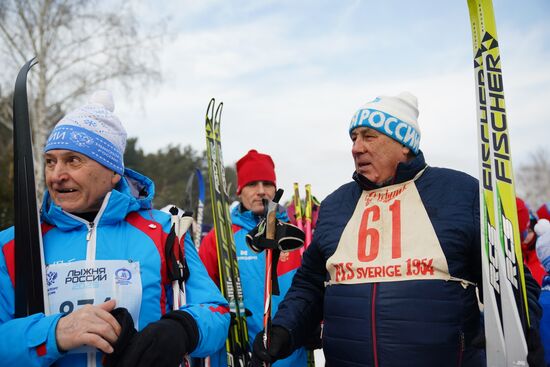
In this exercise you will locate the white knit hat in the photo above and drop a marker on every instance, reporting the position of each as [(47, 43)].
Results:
[(396, 117), (94, 131)]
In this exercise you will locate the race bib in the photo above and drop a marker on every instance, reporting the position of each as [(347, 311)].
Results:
[(388, 238), (75, 284)]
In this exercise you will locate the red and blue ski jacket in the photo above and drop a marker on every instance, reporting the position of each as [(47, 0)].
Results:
[(252, 273), (126, 228), (409, 321)]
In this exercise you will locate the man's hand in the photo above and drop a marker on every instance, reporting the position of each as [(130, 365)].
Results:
[(90, 325), (279, 347)]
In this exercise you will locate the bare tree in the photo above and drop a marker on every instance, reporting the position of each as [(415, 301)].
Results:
[(533, 179), (80, 44)]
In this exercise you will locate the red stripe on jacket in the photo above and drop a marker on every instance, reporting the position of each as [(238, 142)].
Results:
[(157, 235), (9, 252)]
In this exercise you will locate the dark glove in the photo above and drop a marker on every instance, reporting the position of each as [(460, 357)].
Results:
[(127, 332), (288, 237), (535, 349), (279, 347), (163, 343)]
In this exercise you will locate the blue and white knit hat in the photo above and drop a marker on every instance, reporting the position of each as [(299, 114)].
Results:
[(396, 117), (94, 131)]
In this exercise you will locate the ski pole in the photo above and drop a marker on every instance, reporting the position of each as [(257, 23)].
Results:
[(309, 205), (175, 257), (298, 207), (200, 210), (298, 211), (271, 222)]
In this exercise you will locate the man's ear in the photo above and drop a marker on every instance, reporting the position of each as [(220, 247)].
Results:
[(115, 179), (405, 150)]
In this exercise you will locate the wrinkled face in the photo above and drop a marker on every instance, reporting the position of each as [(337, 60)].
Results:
[(376, 155), (75, 182), (252, 194)]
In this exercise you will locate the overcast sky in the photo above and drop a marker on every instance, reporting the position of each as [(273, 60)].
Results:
[(292, 73)]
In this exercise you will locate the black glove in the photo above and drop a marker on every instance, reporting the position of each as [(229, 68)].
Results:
[(127, 332), (288, 237), (279, 347), (163, 343), (535, 349)]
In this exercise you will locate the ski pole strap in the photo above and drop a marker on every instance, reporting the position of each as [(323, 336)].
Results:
[(176, 264)]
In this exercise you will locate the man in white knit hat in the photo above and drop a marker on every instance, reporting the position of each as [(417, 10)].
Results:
[(104, 247), (394, 263)]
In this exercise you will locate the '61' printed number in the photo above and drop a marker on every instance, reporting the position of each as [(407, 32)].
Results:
[(366, 233)]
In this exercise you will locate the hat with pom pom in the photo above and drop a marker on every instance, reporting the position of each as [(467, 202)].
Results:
[(94, 131)]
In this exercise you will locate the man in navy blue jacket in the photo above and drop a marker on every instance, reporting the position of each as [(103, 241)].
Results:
[(395, 260)]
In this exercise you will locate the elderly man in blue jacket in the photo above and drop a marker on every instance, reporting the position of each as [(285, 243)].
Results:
[(104, 247), (395, 260)]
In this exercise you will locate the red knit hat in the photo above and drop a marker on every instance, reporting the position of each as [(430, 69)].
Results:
[(543, 211), (254, 166)]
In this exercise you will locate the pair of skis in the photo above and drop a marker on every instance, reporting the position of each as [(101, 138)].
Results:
[(504, 292), (230, 283)]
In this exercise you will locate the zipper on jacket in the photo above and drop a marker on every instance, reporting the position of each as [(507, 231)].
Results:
[(461, 349), (373, 323), (90, 229)]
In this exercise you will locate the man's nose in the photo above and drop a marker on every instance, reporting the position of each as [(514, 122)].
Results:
[(357, 147), (58, 172), (261, 189)]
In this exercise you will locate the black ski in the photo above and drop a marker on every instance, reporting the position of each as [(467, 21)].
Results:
[(29, 256)]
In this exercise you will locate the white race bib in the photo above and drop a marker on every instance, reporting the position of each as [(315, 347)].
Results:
[(388, 238), (75, 284)]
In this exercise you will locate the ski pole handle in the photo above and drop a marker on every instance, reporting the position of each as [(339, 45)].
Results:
[(298, 207), (309, 206)]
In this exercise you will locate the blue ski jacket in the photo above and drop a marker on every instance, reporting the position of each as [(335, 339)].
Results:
[(126, 228), (252, 273), (411, 321)]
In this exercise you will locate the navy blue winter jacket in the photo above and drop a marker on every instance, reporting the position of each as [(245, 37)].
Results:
[(395, 323)]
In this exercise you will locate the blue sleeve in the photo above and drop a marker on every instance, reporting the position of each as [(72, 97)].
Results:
[(19, 338), (206, 304)]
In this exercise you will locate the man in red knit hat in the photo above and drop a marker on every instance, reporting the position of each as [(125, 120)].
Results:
[(256, 180)]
